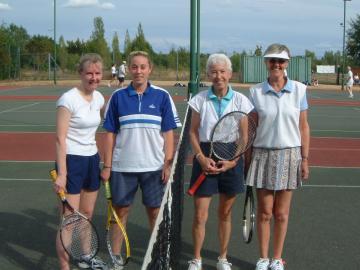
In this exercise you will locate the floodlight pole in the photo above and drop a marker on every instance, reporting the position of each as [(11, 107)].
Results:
[(194, 46), (54, 41), (344, 56)]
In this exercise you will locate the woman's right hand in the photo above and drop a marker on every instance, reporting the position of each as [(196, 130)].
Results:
[(60, 183), (208, 165), (105, 174)]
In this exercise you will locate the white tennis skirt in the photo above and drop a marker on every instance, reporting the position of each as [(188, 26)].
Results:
[(275, 169)]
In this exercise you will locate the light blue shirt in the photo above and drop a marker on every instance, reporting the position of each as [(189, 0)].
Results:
[(220, 103), (211, 109), (279, 114)]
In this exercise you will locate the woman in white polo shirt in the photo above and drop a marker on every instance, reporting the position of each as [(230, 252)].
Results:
[(223, 177), (280, 152), (77, 159)]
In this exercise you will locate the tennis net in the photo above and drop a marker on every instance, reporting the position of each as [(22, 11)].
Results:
[(164, 247)]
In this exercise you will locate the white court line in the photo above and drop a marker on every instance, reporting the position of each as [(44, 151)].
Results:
[(25, 179), (335, 130), (330, 186), (21, 107), (186, 184), (29, 125), (34, 111)]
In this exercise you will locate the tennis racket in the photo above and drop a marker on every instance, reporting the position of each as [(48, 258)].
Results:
[(116, 234), (248, 215), (231, 136), (77, 234)]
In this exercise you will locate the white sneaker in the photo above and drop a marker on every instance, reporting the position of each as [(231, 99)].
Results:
[(117, 263), (95, 263), (262, 264), (223, 264), (194, 264), (351, 96), (277, 264)]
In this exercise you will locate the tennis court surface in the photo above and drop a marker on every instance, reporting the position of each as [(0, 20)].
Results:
[(323, 230)]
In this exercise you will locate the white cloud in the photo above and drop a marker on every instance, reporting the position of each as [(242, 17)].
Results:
[(89, 3), (107, 5), (4, 6)]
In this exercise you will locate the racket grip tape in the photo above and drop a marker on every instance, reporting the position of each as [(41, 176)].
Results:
[(53, 176), (197, 184), (107, 190)]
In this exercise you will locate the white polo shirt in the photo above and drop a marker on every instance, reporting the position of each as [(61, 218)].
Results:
[(211, 108), (279, 114), (84, 121)]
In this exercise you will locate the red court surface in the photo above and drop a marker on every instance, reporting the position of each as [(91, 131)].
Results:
[(327, 152)]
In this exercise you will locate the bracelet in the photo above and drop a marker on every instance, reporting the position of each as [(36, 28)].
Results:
[(198, 155), (304, 158), (106, 167)]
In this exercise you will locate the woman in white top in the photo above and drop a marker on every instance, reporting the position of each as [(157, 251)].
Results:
[(77, 159), (225, 178), (280, 152)]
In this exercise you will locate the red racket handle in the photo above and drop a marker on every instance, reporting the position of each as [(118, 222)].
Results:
[(197, 184)]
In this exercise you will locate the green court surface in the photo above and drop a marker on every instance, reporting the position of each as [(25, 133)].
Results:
[(323, 230)]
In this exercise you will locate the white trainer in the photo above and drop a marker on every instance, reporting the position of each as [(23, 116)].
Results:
[(276, 264), (262, 264), (223, 264), (195, 264)]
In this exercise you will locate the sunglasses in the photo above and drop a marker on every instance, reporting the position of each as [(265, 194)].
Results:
[(277, 60)]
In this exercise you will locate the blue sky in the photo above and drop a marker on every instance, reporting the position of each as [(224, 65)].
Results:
[(226, 25)]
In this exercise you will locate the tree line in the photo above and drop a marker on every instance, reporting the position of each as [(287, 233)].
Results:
[(20, 51)]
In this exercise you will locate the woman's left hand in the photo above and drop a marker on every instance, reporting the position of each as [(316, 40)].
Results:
[(305, 169), (224, 165), (166, 172)]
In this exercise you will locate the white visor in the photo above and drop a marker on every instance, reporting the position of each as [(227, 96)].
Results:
[(282, 55)]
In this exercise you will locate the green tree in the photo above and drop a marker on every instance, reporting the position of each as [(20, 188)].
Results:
[(78, 47), (127, 43), (314, 60), (258, 50), (353, 41), (5, 59), (116, 54), (141, 44), (62, 53), (97, 42), (40, 47)]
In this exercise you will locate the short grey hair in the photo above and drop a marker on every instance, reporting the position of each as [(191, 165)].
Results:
[(277, 48), (89, 58), (218, 58)]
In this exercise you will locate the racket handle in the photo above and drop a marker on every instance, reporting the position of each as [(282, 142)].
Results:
[(53, 175), (107, 190), (197, 184)]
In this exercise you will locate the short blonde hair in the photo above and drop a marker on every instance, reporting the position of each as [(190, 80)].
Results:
[(91, 58), (139, 53)]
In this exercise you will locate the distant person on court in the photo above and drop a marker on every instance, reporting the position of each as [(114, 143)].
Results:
[(77, 160), (279, 157), (349, 82), (121, 74), (113, 74), (223, 177), (356, 79), (139, 144)]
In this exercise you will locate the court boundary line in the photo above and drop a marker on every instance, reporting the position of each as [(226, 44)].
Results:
[(20, 107)]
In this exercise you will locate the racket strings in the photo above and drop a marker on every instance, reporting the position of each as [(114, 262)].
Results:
[(233, 135), (79, 237)]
